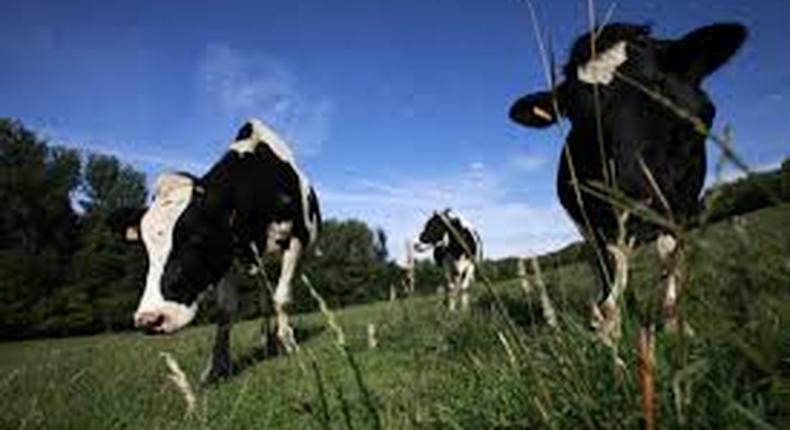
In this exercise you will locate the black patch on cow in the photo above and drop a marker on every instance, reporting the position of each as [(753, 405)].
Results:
[(435, 230), (201, 251), (313, 210), (245, 132), (239, 198)]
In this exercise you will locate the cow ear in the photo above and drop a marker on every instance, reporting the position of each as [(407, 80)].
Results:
[(536, 110), (245, 132), (701, 52), (125, 222)]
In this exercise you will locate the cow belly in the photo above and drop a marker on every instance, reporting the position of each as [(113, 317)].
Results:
[(277, 236)]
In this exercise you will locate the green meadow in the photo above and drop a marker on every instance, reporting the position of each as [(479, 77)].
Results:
[(497, 366)]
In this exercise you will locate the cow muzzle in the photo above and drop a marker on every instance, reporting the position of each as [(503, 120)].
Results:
[(164, 317), (151, 322), (420, 246)]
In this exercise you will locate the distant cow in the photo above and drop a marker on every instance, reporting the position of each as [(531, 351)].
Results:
[(456, 249), (639, 119), (252, 201)]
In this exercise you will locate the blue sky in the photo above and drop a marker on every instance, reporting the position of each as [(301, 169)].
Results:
[(393, 108)]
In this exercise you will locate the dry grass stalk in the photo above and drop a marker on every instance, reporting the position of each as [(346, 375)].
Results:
[(331, 320), (345, 351), (410, 279), (522, 275), (373, 341), (645, 372), (545, 302), (179, 379), (606, 318), (508, 350)]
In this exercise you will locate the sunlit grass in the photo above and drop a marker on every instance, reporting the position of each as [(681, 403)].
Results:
[(488, 368)]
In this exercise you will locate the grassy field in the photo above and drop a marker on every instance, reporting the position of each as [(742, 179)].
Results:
[(498, 366)]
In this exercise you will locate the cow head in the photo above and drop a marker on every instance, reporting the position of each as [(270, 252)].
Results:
[(629, 65), (434, 232), (188, 242)]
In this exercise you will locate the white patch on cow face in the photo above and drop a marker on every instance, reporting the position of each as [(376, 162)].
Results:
[(601, 68), (172, 196)]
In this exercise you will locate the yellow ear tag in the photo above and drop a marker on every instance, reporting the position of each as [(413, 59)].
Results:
[(132, 234), (542, 113)]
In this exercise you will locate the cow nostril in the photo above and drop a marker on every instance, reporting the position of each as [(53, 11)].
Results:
[(150, 322), (159, 321)]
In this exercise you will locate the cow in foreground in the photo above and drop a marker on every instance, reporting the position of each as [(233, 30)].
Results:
[(254, 200), (456, 249), (639, 119)]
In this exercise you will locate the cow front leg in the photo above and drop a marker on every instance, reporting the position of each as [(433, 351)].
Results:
[(265, 298), (467, 277), (451, 291), (452, 295), (267, 343), (668, 250), (220, 365), (606, 315), (282, 295)]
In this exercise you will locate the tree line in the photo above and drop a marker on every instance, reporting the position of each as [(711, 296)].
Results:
[(748, 194)]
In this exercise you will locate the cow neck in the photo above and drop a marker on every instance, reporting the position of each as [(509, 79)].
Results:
[(217, 184), (221, 183)]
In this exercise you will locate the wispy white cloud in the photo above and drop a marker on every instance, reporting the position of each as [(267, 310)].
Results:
[(128, 152), (236, 85), (528, 162), (400, 206)]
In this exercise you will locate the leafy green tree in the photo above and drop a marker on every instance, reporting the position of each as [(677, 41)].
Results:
[(63, 272), (37, 223), (110, 185), (108, 272), (351, 267), (428, 277)]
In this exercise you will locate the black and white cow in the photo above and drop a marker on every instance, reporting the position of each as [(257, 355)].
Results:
[(635, 106), (457, 248), (254, 200)]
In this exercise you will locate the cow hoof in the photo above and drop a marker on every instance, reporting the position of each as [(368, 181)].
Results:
[(287, 340), (217, 370), (213, 376)]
